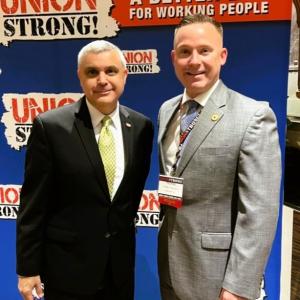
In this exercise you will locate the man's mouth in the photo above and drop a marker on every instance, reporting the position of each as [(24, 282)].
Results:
[(102, 92), (194, 73)]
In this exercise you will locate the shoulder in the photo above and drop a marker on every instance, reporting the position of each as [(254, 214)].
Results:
[(134, 115), (247, 105), (61, 114), (235, 100), (168, 107), (142, 124), (171, 102)]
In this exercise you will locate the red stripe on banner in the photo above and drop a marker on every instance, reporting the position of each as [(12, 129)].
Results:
[(169, 12)]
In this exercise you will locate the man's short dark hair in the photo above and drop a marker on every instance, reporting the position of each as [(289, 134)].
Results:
[(199, 18)]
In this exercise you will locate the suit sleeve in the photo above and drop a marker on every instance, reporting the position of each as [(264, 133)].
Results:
[(258, 187), (34, 199), (145, 142), (147, 146)]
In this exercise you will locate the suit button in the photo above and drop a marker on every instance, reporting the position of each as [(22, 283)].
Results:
[(107, 235)]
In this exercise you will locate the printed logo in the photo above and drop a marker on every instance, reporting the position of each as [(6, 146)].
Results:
[(148, 213), (55, 19), (141, 61), (21, 109), (9, 201)]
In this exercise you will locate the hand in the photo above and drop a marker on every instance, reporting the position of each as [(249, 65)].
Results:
[(26, 286), (225, 295)]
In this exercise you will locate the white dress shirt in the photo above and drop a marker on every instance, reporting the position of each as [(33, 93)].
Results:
[(116, 129), (171, 141)]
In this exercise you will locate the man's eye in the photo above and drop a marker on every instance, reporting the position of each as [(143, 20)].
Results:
[(204, 51), (92, 72), (184, 52), (111, 71)]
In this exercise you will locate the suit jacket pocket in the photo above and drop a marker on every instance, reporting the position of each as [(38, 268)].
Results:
[(216, 240), (60, 235)]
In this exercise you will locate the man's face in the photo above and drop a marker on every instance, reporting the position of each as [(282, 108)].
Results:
[(102, 78), (198, 56)]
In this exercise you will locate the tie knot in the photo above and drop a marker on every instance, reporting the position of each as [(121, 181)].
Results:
[(192, 106), (106, 121)]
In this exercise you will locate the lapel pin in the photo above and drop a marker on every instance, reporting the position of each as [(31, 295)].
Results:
[(128, 124), (215, 117)]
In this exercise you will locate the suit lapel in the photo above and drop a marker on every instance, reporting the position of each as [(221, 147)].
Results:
[(86, 132), (210, 115), (165, 118), (127, 132)]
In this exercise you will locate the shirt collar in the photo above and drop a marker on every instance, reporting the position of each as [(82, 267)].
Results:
[(97, 116), (202, 98)]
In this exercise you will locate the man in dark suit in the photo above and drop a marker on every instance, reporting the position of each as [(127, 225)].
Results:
[(76, 222), (216, 245)]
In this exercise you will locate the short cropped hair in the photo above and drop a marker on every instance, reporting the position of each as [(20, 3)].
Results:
[(199, 18), (98, 47)]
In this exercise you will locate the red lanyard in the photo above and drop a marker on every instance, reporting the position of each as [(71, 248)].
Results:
[(184, 135), (182, 138)]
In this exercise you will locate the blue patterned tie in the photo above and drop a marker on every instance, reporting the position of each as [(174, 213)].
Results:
[(192, 112)]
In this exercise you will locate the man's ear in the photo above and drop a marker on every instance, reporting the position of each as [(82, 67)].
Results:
[(173, 56), (224, 55), (125, 75)]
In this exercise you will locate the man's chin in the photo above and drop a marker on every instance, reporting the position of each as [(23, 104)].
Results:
[(103, 99), (195, 90), (101, 95)]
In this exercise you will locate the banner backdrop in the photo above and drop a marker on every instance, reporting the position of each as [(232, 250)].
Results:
[(39, 42)]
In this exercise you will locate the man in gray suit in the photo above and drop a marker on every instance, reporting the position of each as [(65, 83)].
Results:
[(215, 238)]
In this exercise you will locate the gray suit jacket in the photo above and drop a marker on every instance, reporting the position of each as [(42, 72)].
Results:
[(223, 233)]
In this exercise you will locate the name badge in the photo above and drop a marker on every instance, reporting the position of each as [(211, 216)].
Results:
[(170, 190)]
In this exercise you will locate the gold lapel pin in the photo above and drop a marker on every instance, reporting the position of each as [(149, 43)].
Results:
[(215, 117), (128, 124)]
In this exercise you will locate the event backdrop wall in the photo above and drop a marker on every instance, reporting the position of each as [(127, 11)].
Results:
[(39, 42)]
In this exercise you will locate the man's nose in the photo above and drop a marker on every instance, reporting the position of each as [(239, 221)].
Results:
[(102, 78), (195, 58)]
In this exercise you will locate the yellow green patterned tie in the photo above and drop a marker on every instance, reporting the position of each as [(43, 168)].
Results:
[(106, 144)]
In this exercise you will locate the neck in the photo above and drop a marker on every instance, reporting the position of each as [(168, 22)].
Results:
[(106, 109)]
